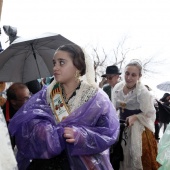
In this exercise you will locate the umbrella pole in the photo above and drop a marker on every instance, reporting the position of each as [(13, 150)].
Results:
[(35, 57)]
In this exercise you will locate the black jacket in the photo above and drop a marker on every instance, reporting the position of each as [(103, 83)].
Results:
[(107, 89)]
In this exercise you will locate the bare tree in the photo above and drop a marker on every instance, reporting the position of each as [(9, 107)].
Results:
[(150, 65), (121, 52), (98, 61), (120, 56), (102, 59)]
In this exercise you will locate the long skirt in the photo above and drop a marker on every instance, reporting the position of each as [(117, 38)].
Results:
[(149, 152)]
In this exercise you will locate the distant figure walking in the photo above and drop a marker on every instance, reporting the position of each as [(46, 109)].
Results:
[(164, 110)]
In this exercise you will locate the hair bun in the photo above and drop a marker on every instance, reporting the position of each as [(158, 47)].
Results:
[(136, 61)]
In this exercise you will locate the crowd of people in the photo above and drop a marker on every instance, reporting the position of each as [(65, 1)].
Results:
[(72, 123)]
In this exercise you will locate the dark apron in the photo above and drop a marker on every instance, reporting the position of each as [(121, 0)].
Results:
[(127, 113)]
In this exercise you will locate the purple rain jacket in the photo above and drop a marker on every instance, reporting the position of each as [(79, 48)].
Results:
[(38, 136)]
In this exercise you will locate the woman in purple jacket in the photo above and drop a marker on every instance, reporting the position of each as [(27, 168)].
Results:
[(71, 117)]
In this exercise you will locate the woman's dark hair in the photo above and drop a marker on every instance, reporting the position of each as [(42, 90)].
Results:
[(34, 86), (163, 99), (77, 55)]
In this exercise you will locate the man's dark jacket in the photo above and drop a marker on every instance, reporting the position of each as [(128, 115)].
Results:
[(107, 89)]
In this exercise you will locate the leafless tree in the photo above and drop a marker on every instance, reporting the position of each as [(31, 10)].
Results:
[(151, 64), (116, 57), (120, 56), (98, 61)]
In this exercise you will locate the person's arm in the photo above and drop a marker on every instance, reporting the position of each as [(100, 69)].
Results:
[(39, 139), (147, 116), (97, 136), (36, 133)]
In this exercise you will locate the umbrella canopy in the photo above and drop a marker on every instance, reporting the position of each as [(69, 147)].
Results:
[(165, 86), (26, 60)]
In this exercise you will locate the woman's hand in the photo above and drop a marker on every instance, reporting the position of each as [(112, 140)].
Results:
[(69, 134), (131, 119)]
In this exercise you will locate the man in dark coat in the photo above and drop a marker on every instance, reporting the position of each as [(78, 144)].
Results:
[(111, 77)]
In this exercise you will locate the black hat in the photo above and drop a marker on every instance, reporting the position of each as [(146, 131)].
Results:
[(111, 70)]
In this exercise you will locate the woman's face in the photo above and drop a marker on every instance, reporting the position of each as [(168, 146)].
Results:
[(167, 98), (132, 75), (64, 70)]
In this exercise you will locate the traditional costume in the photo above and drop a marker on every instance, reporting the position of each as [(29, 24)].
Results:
[(38, 127), (139, 144)]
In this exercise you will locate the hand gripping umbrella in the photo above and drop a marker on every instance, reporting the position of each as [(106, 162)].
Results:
[(29, 59)]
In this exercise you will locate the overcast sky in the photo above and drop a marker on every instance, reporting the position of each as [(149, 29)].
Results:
[(101, 22)]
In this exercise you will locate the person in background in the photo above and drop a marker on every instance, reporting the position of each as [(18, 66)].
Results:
[(157, 121), (136, 106), (111, 78), (164, 110), (34, 86), (17, 95), (70, 121)]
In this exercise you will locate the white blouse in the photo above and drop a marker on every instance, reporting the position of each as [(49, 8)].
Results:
[(139, 98)]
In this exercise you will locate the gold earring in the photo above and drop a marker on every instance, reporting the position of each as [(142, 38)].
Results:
[(77, 75)]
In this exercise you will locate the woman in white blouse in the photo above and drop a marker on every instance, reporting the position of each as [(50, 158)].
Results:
[(136, 106)]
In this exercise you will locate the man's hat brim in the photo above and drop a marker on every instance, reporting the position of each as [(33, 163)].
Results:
[(104, 75)]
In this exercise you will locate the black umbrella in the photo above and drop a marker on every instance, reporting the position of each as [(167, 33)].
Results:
[(29, 59)]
